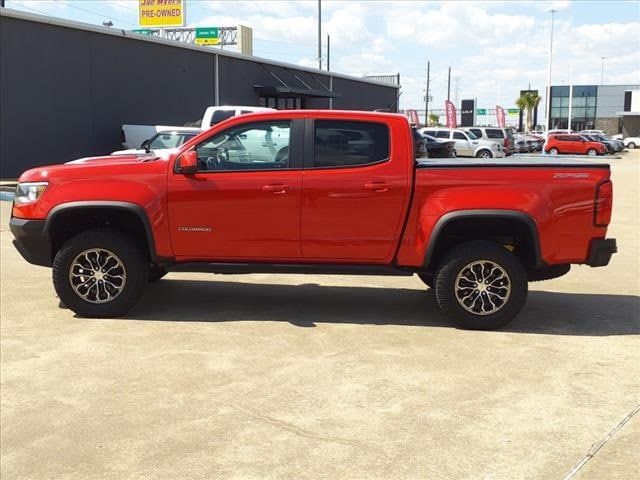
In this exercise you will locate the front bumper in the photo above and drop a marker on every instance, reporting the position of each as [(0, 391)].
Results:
[(31, 241), (600, 251)]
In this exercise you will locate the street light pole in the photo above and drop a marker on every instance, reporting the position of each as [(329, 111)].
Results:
[(426, 98), (319, 35), (547, 102)]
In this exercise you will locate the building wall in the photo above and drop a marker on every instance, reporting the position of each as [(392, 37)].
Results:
[(65, 91)]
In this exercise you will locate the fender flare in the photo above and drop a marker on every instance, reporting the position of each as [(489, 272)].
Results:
[(107, 204), (447, 218)]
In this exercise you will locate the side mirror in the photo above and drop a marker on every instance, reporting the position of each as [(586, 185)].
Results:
[(188, 163), (145, 145)]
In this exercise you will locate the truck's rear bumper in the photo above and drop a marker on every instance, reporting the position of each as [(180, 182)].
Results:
[(31, 240), (600, 251)]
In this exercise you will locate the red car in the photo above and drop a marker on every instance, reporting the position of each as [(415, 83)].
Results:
[(574, 144), (332, 192)]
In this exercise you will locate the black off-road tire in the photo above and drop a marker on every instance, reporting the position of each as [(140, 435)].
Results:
[(156, 273), (135, 262), (461, 256), (427, 279)]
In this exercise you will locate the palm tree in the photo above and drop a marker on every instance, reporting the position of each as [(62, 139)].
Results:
[(527, 102)]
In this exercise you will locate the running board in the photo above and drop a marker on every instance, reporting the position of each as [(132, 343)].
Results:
[(294, 268)]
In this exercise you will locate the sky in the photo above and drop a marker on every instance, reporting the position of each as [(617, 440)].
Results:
[(494, 48)]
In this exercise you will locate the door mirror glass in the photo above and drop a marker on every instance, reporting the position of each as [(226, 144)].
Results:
[(188, 163)]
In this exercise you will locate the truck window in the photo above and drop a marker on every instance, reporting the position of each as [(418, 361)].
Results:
[(339, 143), (253, 146), (220, 115)]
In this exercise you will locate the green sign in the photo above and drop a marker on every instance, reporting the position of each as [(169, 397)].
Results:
[(513, 111), (207, 36), (481, 111), (144, 31)]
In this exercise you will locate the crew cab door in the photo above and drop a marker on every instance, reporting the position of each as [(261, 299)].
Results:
[(356, 186), (243, 203)]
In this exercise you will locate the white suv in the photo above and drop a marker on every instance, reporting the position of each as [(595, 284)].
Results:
[(466, 143)]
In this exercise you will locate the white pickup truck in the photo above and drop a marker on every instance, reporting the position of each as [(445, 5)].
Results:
[(133, 136)]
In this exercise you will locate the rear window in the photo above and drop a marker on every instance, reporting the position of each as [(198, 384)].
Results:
[(442, 134), (339, 143), (476, 131), (494, 133), (220, 115)]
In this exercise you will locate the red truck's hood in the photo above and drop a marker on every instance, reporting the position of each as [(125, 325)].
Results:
[(105, 166)]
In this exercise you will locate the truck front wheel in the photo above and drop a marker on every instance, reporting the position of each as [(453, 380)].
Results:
[(100, 273), (481, 285)]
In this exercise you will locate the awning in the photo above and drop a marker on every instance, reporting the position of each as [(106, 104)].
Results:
[(292, 84), (287, 91)]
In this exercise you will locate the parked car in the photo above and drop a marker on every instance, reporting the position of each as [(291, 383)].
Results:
[(632, 142), (475, 229), (466, 143), (537, 142), (523, 144), (132, 136), (504, 135), (162, 142), (573, 144), (593, 132), (430, 147), (613, 146)]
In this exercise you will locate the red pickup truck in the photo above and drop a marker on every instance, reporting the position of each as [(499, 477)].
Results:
[(314, 192)]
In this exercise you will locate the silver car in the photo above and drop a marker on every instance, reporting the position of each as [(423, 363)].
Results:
[(466, 143)]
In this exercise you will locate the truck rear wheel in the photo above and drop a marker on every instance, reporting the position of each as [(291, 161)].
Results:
[(481, 285), (100, 273)]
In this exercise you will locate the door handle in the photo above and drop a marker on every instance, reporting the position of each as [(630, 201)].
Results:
[(376, 186), (276, 188)]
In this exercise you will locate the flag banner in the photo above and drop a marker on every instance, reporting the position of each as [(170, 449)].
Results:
[(451, 114), (500, 115)]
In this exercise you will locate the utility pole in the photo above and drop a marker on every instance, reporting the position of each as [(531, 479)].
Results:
[(319, 35), (426, 98), (449, 84), (328, 52), (602, 71), (547, 103)]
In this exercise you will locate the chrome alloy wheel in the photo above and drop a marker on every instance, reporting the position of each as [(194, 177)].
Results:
[(482, 287), (97, 275)]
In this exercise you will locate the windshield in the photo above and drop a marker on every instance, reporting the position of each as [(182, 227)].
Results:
[(471, 135), (169, 140)]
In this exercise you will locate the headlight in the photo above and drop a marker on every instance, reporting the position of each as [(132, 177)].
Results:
[(29, 192)]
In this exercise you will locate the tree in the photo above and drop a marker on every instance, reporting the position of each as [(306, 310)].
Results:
[(434, 119), (527, 102)]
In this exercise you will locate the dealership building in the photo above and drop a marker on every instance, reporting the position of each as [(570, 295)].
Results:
[(67, 87), (612, 108)]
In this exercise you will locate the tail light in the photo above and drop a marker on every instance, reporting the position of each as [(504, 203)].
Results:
[(603, 204)]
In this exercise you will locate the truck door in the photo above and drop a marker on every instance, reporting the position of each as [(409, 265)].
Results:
[(356, 186), (244, 201)]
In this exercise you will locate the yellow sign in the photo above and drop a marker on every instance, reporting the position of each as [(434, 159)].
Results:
[(161, 13)]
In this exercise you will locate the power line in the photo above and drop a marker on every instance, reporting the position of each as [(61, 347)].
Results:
[(96, 13)]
